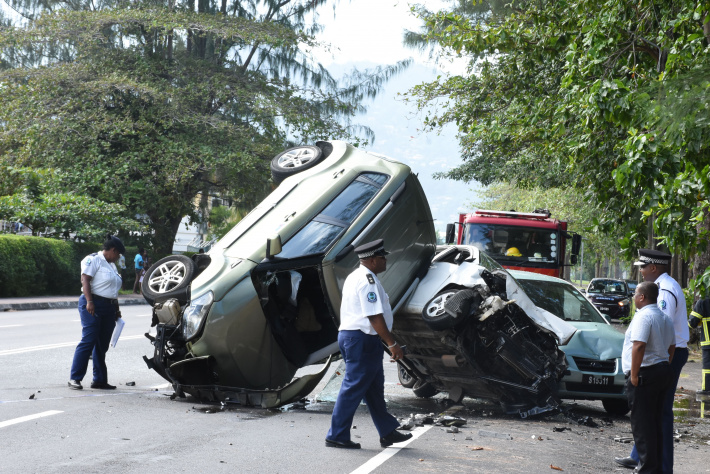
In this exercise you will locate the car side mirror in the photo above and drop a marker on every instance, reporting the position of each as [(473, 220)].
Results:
[(450, 233), (273, 246)]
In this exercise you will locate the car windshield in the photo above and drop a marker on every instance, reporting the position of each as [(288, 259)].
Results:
[(561, 299), (607, 287)]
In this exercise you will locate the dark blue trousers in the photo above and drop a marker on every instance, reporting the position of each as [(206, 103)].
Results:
[(96, 331), (364, 378), (680, 357)]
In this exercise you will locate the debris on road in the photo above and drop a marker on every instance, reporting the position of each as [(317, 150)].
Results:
[(130, 384), (623, 439), (556, 468), (449, 420)]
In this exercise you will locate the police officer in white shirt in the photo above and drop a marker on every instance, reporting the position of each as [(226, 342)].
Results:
[(653, 266), (365, 321), (98, 309)]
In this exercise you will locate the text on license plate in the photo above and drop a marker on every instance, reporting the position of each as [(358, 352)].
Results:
[(603, 380), (603, 308)]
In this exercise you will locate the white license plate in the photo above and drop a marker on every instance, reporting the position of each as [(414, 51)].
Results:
[(603, 308), (603, 380)]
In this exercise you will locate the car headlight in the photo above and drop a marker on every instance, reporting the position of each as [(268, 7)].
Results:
[(625, 302), (195, 314)]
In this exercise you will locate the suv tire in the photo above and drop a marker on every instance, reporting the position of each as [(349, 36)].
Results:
[(294, 160), (167, 278)]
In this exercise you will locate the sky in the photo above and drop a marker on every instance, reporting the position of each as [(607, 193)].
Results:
[(368, 33)]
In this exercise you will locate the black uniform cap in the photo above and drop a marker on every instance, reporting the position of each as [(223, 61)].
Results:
[(647, 256), (371, 249), (114, 242)]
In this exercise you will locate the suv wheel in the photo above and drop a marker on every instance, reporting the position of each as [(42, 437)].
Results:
[(294, 160), (405, 379), (424, 389), (168, 278)]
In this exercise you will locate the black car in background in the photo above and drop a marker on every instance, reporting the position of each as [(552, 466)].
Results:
[(610, 296), (631, 284)]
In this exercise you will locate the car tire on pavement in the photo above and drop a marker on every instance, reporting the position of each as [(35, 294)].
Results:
[(294, 160), (616, 406), (167, 278)]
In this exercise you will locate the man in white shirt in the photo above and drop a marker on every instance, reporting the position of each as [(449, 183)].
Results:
[(653, 266), (649, 343), (365, 321)]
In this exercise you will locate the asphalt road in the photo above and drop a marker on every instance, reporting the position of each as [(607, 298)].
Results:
[(137, 429)]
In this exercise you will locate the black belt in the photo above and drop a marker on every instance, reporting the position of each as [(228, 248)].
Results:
[(113, 301), (643, 369)]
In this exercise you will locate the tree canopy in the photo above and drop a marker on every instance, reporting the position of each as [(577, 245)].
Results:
[(607, 96), (149, 104)]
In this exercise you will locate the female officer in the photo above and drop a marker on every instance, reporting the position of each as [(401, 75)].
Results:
[(98, 309)]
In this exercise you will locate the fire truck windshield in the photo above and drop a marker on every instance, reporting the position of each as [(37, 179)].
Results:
[(512, 244)]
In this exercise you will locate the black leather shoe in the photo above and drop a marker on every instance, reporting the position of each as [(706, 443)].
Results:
[(74, 385), (394, 437), (102, 386), (331, 443), (626, 462)]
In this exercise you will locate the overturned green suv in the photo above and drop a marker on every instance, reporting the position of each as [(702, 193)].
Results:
[(238, 322), (265, 300)]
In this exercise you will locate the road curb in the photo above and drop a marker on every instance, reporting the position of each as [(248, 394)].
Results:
[(61, 304)]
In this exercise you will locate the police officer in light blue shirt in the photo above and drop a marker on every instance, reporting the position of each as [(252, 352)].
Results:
[(98, 309), (365, 321)]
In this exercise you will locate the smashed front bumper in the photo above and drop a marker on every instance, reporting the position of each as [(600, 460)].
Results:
[(196, 376)]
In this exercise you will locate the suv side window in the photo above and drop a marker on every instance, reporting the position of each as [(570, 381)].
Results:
[(332, 221)]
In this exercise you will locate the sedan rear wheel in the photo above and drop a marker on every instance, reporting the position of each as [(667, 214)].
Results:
[(168, 278)]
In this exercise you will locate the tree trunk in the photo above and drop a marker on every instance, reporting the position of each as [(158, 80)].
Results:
[(164, 230), (700, 261)]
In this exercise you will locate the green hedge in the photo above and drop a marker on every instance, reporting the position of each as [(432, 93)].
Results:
[(37, 266)]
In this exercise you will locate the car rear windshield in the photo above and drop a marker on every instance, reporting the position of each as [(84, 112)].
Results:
[(562, 300), (332, 221), (607, 287)]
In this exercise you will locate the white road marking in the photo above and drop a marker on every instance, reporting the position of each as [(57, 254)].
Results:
[(22, 419), (23, 350), (12, 326), (162, 385), (380, 459)]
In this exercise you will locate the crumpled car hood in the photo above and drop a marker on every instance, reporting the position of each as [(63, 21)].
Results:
[(595, 338), (467, 274)]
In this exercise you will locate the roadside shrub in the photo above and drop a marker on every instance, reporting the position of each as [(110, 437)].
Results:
[(37, 266)]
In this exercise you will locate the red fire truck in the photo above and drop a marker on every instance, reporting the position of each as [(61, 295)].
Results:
[(531, 241)]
